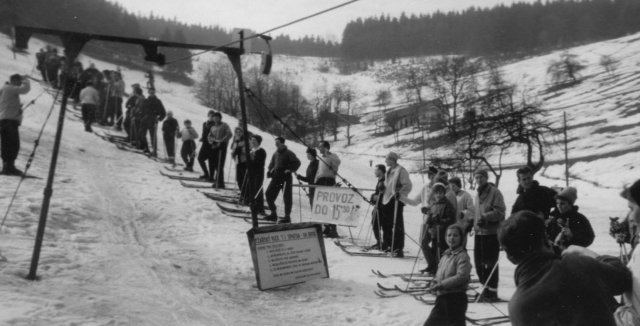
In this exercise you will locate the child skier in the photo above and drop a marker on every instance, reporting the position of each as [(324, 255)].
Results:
[(440, 216), (188, 151), (451, 282)]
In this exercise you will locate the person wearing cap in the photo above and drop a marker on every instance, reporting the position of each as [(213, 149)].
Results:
[(397, 184), (218, 138), (425, 199), (443, 177), (440, 216), (531, 193), (188, 151), (489, 215), (326, 176), (170, 128), (206, 151), (568, 227), (310, 176), (10, 121), (571, 290), (151, 112)]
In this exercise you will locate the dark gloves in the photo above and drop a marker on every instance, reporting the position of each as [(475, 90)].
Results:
[(425, 210), (382, 188)]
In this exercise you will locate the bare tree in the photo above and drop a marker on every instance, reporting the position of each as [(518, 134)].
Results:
[(453, 81), (383, 98), (566, 69), (609, 64), (410, 78)]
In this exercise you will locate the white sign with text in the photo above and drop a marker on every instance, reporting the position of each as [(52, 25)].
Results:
[(335, 205)]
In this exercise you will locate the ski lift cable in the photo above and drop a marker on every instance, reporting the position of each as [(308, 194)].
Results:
[(30, 160), (265, 32)]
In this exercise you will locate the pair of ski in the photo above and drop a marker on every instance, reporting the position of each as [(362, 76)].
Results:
[(348, 249), (488, 321), (243, 212)]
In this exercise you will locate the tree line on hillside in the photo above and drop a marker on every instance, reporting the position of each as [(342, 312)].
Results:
[(110, 18), (522, 28)]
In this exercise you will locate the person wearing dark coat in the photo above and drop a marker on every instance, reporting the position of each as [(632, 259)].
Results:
[(151, 112), (310, 175), (568, 227), (532, 194), (256, 166), (376, 223), (206, 152), (170, 128), (440, 216), (40, 58), (570, 290), (238, 156), (283, 163), (133, 103)]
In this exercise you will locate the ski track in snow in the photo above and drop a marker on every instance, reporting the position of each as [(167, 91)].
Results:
[(127, 246)]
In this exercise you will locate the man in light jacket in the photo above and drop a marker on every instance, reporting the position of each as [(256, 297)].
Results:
[(10, 120), (89, 100), (397, 184), (489, 214)]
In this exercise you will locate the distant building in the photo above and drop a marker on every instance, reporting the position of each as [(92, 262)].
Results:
[(344, 119), (428, 114)]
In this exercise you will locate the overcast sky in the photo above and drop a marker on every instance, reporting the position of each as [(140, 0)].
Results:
[(261, 15)]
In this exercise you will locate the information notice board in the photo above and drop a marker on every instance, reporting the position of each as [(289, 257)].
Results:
[(288, 254)]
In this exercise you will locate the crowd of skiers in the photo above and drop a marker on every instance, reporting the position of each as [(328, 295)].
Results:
[(559, 281)]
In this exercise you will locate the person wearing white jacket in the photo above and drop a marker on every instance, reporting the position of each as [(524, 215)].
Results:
[(10, 120), (89, 100)]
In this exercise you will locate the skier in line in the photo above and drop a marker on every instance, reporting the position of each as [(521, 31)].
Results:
[(629, 313), (397, 183), (490, 213), (132, 120), (256, 178), (376, 221), (451, 281), (188, 151), (10, 121), (218, 138), (283, 163), (568, 227), (40, 58), (425, 199), (170, 128), (570, 290), (530, 192), (312, 170), (238, 156), (151, 112), (52, 66), (326, 176), (89, 99), (466, 207), (441, 215), (205, 154), (115, 100)]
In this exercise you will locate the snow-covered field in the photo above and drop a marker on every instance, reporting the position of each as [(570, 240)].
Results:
[(127, 246)]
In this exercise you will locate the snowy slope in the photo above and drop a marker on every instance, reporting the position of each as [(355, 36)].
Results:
[(126, 246)]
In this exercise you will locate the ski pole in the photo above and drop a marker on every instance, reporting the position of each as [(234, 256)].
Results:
[(489, 278), (395, 217)]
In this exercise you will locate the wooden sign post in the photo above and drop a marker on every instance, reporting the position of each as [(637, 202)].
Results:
[(287, 254)]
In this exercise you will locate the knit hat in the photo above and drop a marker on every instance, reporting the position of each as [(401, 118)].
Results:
[(439, 185), (482, 172), (443, 181), (393, 156), (570, 194)]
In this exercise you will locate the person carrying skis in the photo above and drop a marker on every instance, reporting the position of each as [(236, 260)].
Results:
[(151, 111), (169, 130), (256, 162), (10, 121), (326, 176), (571, 290), (206, 152), (531, 193), (451, 281), (188, 151), (218, 139), (489, 215), (397, 184), (376, 222), (283, 163), (312, 170), (89, 99), (568, 227)]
